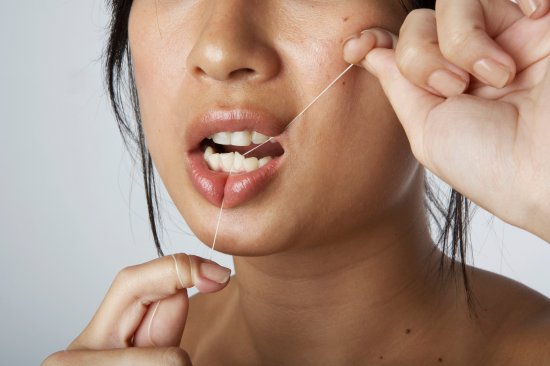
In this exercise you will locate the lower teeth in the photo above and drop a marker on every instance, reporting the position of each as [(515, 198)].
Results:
[(233, 162)]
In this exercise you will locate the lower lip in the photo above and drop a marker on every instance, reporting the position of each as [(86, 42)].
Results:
[(232, 190)]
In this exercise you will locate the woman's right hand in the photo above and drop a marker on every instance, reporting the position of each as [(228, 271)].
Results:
[(142, 318)]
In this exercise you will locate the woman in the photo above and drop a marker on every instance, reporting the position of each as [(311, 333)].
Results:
[(335, 261)]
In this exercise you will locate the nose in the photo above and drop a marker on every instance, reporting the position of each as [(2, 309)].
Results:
[(232, 45)]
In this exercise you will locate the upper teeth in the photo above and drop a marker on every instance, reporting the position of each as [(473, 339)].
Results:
[(239, 138)]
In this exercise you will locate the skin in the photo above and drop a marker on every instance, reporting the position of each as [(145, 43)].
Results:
[(348, 274)]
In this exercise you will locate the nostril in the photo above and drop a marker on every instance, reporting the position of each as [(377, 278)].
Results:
[(199, 71), (242, 73)]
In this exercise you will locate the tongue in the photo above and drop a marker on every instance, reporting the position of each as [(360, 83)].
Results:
[(267, 149)]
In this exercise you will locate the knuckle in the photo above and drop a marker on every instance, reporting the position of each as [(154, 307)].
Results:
[(413, 46), (183, 259), (407, 57), (417, 17), (454, 43), (125, 274), (185, 263), (175, 356), (189, 270)]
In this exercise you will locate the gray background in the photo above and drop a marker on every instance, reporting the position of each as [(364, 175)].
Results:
[(72, 211)]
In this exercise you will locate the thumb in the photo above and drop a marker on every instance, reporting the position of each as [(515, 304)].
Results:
[(411, 104)]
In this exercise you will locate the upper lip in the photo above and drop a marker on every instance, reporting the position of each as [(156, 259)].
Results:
[(232, 120)]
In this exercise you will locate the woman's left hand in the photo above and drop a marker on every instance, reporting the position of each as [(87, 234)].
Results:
[(470, 83)]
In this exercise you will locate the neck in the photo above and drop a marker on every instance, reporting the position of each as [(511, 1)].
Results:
[(373, 289)]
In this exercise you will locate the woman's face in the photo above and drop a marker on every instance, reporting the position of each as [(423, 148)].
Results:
[(239, 66)]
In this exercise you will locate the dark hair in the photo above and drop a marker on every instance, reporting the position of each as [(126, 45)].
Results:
[(450, 214)]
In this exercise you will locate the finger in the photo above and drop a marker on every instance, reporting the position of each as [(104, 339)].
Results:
[(357, 46), (172, 356), (534, 9), (164, 323), (137, 287), (420, 60), (527, 41), (465, 29)]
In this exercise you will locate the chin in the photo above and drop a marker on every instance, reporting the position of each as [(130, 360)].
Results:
[(243, 231), (254, 228), (238, 242)]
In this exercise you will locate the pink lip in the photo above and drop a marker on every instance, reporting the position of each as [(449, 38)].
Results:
[(232, 120), (219, 186)]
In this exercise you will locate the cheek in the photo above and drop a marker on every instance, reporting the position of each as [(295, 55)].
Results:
[(159, 69), (358, 158), (384, 156)]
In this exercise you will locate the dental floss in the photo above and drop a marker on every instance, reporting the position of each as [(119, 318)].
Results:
[(178, 270), (265, 142), (151, 323)]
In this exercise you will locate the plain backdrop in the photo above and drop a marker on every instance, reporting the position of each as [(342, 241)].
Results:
[(72, 209)]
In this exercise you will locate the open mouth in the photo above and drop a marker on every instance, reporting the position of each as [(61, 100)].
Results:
[(234, 154), (239, 151)]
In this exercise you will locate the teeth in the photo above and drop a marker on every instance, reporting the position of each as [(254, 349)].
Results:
[(238, 163), (258, 138), (214, 162), (227, 161), (240, 138), (264, 161), (233, 162), (222, 138), (209, 151), (251, 164)]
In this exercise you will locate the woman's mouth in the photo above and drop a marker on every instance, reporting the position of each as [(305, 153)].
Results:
[(234, 165), (239, 152)]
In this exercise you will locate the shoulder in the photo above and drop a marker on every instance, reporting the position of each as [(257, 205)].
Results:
[(524, 344), (520, 317)]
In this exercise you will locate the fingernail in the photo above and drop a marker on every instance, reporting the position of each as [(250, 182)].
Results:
[(215, 272), (492, 72), (529, 7), (447, 83)]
